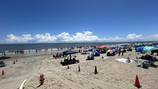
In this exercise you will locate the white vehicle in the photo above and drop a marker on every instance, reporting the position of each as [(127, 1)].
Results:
[(84, 51), (90, 56)]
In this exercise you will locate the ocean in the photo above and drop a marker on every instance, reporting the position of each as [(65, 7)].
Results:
[(13, 47)]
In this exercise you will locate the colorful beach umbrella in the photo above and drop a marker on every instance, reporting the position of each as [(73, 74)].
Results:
[(147, 49), (102, 47), (139, 49)]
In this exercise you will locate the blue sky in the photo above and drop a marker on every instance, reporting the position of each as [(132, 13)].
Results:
[(105, 19)]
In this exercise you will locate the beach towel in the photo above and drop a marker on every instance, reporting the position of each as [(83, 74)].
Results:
[(123, 60)]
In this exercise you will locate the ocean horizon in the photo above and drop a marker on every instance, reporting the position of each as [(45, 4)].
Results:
[(38, 46)]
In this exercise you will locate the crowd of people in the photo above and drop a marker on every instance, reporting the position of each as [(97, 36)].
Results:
[(57, 55)]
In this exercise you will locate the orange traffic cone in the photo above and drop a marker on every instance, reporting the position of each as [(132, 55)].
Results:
[(3, 72), (14, 62), (79, 69), (95, 70), (41, 79), (137, 82), (68, 67)]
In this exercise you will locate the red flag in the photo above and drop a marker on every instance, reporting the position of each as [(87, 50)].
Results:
[(137, 82)]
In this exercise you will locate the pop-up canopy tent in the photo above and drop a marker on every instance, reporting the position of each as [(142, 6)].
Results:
[(139, 49), (144, 49), (69, 52), (147, 49), (103, 48)]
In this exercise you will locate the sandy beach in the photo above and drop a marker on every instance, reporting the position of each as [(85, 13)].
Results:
[(78, 44), (111, 74)]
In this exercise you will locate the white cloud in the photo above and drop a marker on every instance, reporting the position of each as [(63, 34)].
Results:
[(153, 37), (85, 36), (27, 37), (23, 38), (133, 36), (47, 37), (114, 39), (78, 37), (65, 37)]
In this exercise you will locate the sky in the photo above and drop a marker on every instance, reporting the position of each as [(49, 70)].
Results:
[(48, 21)]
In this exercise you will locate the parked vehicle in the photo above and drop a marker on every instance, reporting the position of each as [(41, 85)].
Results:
[(90, 56), (111, 53), (2, 64)]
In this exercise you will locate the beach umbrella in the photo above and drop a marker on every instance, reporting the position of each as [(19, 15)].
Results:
[(139, 49), (147, 49), (102, 47)]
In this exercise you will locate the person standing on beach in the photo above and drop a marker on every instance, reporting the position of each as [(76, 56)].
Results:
[(122, 52), (36, 51), (119, 51)]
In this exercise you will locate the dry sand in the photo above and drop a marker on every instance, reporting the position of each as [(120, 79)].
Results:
[(111, 74)]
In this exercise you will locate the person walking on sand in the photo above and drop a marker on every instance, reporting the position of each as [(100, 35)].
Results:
[(122, 52), (119, 51)]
